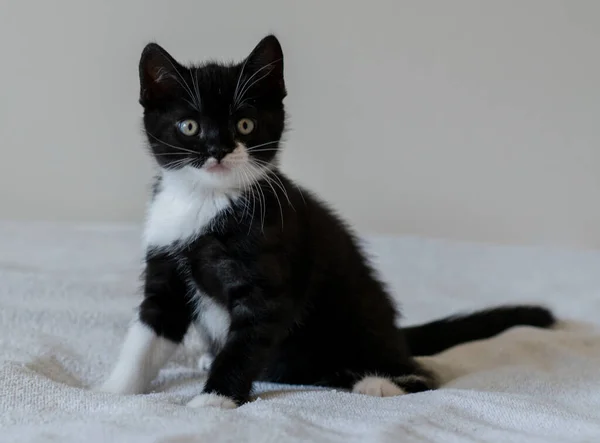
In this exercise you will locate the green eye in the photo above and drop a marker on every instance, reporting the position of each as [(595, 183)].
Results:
[(245, 126), (188, 127)]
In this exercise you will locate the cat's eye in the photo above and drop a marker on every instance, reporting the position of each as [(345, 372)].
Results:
[(245, 126), (188, 127)]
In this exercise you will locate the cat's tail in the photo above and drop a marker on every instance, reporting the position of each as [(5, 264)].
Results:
[(437, 336)]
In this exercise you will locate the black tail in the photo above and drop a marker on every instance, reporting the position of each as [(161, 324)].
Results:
[(437, 336)]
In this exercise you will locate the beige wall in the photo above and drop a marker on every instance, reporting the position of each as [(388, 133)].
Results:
[(464, 119)]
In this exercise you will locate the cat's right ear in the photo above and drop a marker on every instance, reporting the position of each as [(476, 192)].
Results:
[(159, 74)]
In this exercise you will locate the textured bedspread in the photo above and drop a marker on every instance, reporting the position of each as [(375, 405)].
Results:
[(67, 293)]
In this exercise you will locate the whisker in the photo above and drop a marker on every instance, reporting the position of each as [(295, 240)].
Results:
[(235, 92), (264, 150), (177, 163), (268, 181), (248, 184), (243, 102), (184, 84), (196, 87), (299, 189), (171, 146), (245, 88), (268, 165), (278, 201), (279, 183), (251, 189), (251, 199), (248, 148), (270, 176), (193, 105), (263, 163), (263, 205), (262, 198), (244, 181)]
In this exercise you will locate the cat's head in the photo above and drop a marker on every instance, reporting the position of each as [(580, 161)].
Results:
[(218, 123)]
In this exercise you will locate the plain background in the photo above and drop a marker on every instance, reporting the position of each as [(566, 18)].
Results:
[(466, 119)]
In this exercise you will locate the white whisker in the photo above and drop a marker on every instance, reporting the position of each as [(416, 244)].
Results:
[(250, 148), (183, 83), (272, 178), (267, 164), (235, 92), (245, 88), (278, 201), (281, 186), (246, 183), (177, 163), (265, 150), (171, 146), (262, 200), (263, 206), (196, 87)]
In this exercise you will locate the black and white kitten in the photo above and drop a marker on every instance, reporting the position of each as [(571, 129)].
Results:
[(273, 280)]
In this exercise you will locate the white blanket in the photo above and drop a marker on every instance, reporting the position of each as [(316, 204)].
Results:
[(68, 292)]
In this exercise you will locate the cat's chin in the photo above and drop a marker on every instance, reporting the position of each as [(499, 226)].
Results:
[(213, 178), (201, 178), (218, 168)]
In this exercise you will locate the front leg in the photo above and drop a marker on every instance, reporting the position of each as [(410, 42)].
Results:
[(261, 314), (258, 324), (160, 325)]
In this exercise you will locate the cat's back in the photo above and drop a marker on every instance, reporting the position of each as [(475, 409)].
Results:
[(329, 251)]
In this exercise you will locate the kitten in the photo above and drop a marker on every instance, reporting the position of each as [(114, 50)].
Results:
[(275, 282)]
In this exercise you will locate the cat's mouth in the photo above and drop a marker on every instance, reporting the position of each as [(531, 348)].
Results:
[(212, 165), (217, 167)]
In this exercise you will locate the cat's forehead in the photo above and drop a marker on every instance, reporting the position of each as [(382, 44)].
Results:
[(214, 83)]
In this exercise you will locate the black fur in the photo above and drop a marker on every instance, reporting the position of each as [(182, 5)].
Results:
[(305, 305), (437, 336)]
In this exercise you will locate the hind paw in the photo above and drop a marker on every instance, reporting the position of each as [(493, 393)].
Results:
[(377, 387)]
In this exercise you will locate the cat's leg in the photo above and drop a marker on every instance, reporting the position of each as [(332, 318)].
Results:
[(258, 323), (161, 324), (206, 357), (260, 317)]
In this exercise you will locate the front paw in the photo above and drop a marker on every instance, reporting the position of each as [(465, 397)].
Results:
[(205, 362), (120, 387), (211, 401)]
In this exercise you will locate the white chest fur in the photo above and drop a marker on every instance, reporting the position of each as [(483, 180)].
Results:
[(212, 320), (182, 208)]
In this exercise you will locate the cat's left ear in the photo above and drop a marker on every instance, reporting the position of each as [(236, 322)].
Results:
[(264, 68), (159, 75)]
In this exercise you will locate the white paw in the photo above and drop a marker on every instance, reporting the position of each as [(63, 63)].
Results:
[(211, 401), (113, 386), (205, 361), (377, 387)]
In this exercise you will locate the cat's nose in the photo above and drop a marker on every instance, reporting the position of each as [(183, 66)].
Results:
[(218, 152)]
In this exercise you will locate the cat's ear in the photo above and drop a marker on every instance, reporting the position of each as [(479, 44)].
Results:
[(264, 67), (159, 74)]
